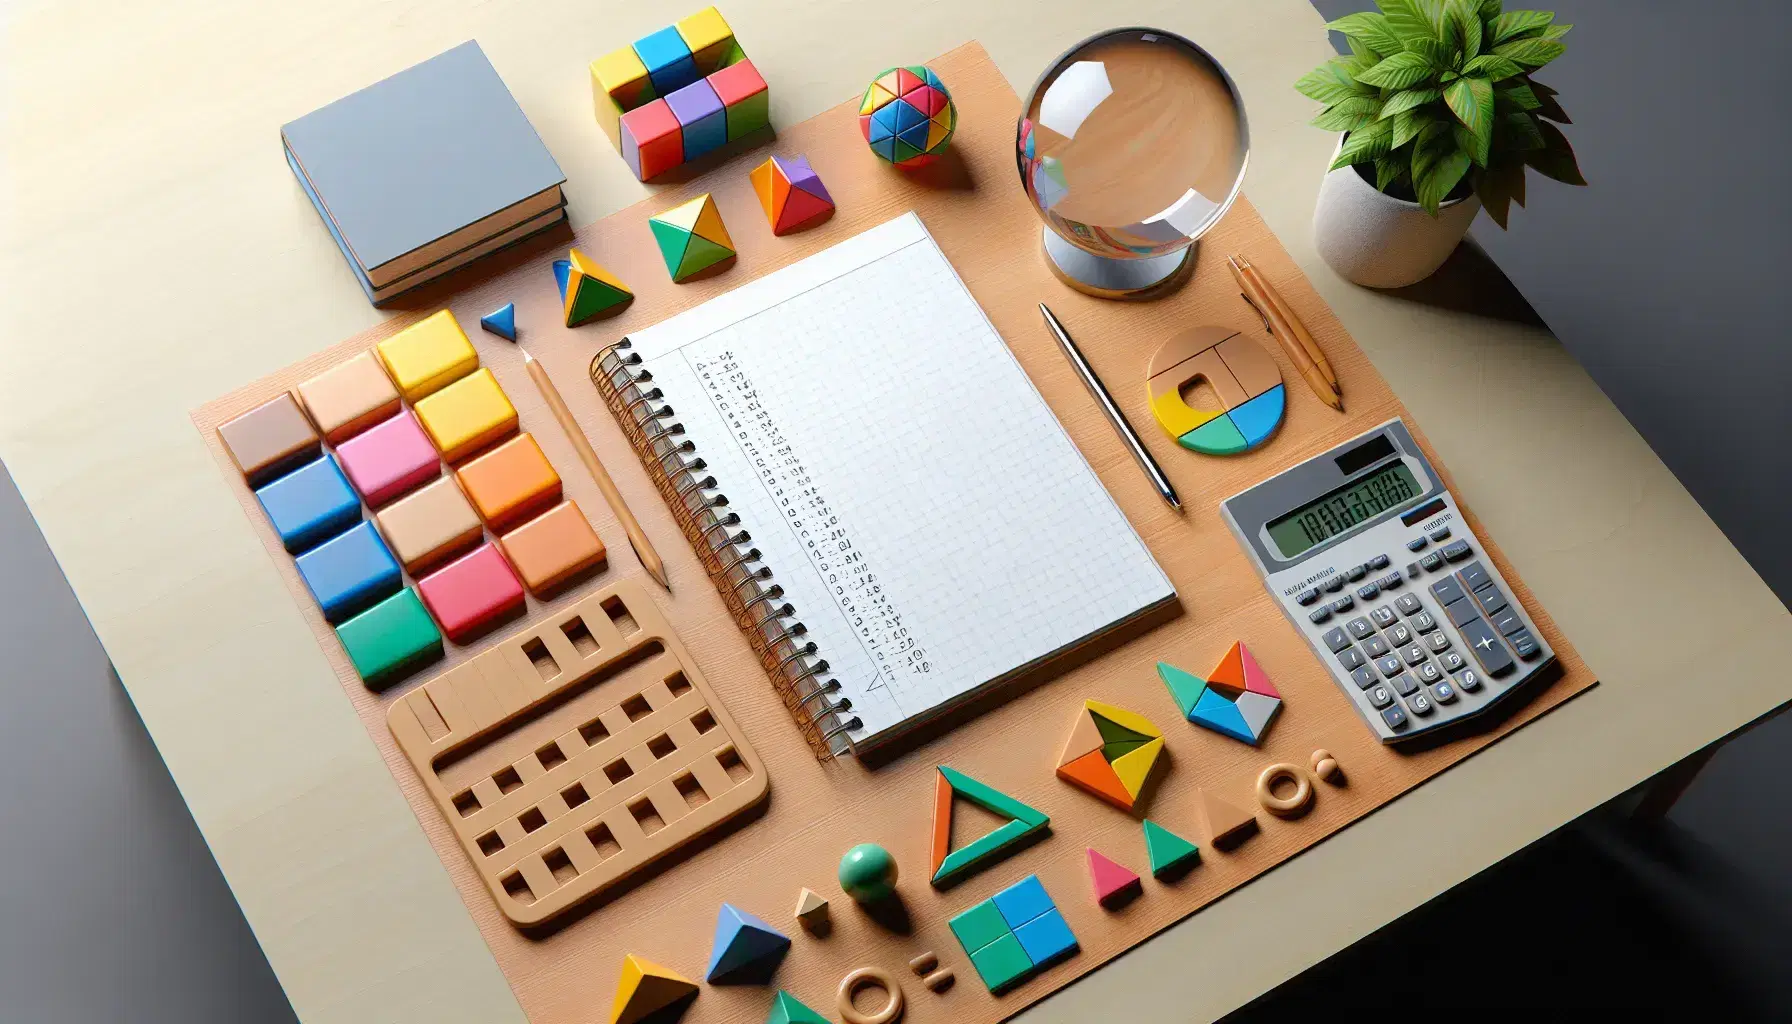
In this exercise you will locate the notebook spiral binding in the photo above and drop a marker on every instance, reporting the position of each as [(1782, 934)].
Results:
[(748, 586)]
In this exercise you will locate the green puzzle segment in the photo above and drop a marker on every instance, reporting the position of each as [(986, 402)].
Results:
[(979, 926), (1168, 851), (1002, 962), (965, 859), (593, 297), (1185, 687), (1011, 940), (1218, 436), (389, 640), (699, 254)]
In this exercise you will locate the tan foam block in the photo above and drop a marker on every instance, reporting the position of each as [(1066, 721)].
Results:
[(347, 399), (552, 548), (270, 438), (429, 526)]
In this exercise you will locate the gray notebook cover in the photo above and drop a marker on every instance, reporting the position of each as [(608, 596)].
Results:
[(420, 155)]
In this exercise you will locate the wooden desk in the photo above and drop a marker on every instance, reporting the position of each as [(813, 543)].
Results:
[(163, 255)]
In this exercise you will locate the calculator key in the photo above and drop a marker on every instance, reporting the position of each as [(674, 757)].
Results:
[(1400, 634), (1351, 658), (1432, 561), (1307, 596), (1457, 550), (1394, 717), (1491, 599), (1369, 591), (1461, 611), (1378, 563), (1380, 696), (1413, 654), (1525, 644), (1360, 628), (1319, 615), (1420, 704), (1443, 693), (1429, 673), (1390, 581), (1474, 576), (1451, 661), (1486, 646), (1409, 604), (1447, 590), (1384, 616), (1416, 544), (1440, 534), (1356, 572), (1335, 584), (1376, 647), (1412, 570), (1508, 622), (1423, 622), (1390, 666), (1439, 642), (1363, 677), (1343, 604), (1336, 639), (1468, 680), (1404, 684)]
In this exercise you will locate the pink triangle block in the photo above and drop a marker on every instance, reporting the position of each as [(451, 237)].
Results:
[(1112, 881), (1255, 679)]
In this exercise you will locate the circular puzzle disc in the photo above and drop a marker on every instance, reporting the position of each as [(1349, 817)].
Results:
[(1241, 373)]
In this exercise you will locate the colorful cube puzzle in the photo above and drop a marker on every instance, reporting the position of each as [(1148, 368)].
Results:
[(467, 415), (1014, 934), (553, 548), (428, 355), (692, 238), (677, 94), (510, 483), (270, 439), (389, 460)]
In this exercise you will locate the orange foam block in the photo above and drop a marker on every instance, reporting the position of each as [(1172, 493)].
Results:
[(510, 483), (471, 593), (553, 548)]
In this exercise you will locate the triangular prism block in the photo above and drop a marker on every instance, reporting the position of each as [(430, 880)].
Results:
[(691, 237), (788, 1009), (1114, 883), (501, 321), (1169, 853), (1227, 824), (951, 865), (647, 989), (1255, 679), (588, 291), (743, 942), (1133, 767), (1085, 738), (1185, 689)]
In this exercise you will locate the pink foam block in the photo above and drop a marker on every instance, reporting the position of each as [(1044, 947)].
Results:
[(471, 592), (1113, 883), (386, 461)]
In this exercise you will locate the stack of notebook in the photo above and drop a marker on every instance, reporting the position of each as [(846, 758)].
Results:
[(424, 172)]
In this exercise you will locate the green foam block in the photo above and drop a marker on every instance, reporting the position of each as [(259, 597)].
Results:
[(391, 639)]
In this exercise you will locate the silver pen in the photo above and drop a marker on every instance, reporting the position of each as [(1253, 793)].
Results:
[(1115, 416)]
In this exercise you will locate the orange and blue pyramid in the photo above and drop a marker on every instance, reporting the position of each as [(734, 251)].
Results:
[(692, 238), (1236, 699), (1110, 753)]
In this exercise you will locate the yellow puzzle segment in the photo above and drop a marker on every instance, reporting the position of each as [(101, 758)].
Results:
[(1123, 718), (708, 36), (428, 356), (1134, 766), (467, 415), (1174, 415), (619, 83), (588, 267)]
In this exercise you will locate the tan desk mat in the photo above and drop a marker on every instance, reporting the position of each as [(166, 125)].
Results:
[(974, 207)]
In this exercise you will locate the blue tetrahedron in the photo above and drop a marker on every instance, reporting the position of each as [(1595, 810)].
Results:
[(745, 949), (501, 321)]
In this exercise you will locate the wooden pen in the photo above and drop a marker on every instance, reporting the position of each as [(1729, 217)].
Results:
[(1282, 329), (1301, 334)]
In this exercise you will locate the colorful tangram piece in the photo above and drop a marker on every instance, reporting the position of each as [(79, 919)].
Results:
[(1114, 883), (1236, 699), (501, 321), (950, 865), (745, 948), (792, 194), (649, 990), (692, 238), (1170, 854), (1227, 823), (587, 291), (907, 116), (788, 1009), (1110, 753)]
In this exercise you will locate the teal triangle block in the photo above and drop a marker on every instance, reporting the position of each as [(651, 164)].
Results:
[(788, 1009), (742, 942), (1185, 688), (1166, 850), (501, 321), (672, 240), (1221, 715)]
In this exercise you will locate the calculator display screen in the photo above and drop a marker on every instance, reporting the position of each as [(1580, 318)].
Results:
[(1343, 509)]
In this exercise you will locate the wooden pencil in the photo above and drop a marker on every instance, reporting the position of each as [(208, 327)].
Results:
[(1283, 332), (1301, 334)]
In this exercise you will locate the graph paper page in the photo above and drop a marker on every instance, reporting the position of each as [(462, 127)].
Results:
[(902, 478)]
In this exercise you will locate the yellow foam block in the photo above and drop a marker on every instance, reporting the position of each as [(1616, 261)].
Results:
[(1175, 415), (467, 415), (619, 84), (428, 356), (708, 36)]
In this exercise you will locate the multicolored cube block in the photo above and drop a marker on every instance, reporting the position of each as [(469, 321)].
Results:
[(692, 238), (1014, 934), (678, 94), (907, 116), (791, 193)]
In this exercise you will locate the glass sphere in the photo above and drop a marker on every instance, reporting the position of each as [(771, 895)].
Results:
[(1132, 144)]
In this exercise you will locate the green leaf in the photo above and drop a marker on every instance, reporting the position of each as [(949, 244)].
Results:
[(1513, 24), (1493, 66), (1409, 20), (1365, 144), (1532, 53), (1372, 29), (1517, 95), (1489, 10), (1348, 114), (1468, 23), (1556, 158), (1388, 169), (1474, 145), (1519, 132), (1471, 100), (1407, 99), (1400, 71), (1328, 83), (1438, 177), (1409, 123), (1554, 33)]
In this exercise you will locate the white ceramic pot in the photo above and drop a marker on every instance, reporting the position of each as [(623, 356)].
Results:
[(1378, 241)]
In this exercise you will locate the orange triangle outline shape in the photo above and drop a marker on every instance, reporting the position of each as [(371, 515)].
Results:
[(1229, 673), (1094, 775)]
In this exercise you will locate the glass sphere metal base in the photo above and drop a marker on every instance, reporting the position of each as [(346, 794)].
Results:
[(1112, 278)]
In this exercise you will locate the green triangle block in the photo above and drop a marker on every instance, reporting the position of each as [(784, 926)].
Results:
[(700, 254), (1112, 733), (672, 241), (788, 1009), (1185, 688), (593, 298), (1167, 850), (968, 858), (1218, 436), (903, 151)]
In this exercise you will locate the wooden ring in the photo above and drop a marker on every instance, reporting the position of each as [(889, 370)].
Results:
[(1285, 807), (860, 978)]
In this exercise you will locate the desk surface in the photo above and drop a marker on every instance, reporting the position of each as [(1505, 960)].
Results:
[(161, 255)]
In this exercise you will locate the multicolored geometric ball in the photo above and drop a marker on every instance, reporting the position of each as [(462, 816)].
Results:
[(907, 116)]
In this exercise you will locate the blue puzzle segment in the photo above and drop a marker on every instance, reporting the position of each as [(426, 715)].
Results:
[(1014, 934), (668, 60), (743, 942), (705, 135), (350, 572), (1023, 901), (1046, 939), (1215, 712), (310, 505), (562, 276), (1258, 418), (502, 321)]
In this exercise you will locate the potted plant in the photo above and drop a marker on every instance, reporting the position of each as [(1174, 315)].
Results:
[(1439, 118)]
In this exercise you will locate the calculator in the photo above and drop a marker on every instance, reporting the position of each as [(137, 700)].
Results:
[(1369, 556)]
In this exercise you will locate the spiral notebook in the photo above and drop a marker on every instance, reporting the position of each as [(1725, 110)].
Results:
[(893, 514)]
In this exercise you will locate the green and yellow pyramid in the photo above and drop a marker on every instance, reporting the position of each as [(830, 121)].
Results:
[(587, 290), (692, 238)]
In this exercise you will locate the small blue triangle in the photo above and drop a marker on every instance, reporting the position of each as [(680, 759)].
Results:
[(885, 118), (501, 321), (562, 274), (916, 136), (1221, 715), (907, 116), (742, 942)]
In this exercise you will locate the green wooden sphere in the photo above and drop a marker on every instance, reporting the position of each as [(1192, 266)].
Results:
[(868, 873)]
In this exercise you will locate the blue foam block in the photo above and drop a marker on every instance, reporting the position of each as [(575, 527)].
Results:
[(350, 573), (668, 60), (1046, 939), (1023, 901), (705, 134), (310, 504)]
